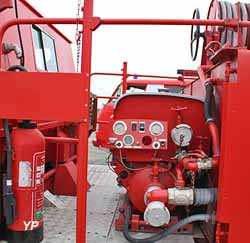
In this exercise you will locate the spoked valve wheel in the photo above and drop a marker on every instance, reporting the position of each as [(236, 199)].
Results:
[(195, 36)]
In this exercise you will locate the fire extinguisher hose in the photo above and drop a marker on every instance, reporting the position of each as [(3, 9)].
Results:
[(163, 234), (9, 202)]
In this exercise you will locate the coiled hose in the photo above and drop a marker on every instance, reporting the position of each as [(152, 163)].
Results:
[(163, 234)]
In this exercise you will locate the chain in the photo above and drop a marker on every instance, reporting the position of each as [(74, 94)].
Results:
[(78, 35)]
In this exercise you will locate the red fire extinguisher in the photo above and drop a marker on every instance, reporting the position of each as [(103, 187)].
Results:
[(28, 164)]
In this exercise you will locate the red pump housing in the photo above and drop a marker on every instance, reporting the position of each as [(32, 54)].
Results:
[(28, 182)]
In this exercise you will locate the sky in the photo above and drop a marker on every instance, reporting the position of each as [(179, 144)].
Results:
[(147, 49)]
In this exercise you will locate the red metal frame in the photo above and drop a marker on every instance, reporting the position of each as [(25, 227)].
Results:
[(90, 24)]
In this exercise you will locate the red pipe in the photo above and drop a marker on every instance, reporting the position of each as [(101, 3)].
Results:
[(137, 75), (171, 83), (169, 22), (61, 140), (107, 97), (201, 74), (189, 164), (155, 172), (124, 77), (50, 21), (215, 140), (49, 174), (82, 148), (49, 125), (157, 195), (179, 176), (244, 24)]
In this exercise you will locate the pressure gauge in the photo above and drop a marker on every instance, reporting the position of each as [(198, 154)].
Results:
[(182, 135), (128, 140), (119, 127), (156, 128)]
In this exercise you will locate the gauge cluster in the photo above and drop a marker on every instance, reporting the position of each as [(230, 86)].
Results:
[(139, 134)]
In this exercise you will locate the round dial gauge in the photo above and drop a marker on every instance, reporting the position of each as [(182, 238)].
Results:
[(128, 140), (119, 127), (156, 128), (182, 135)]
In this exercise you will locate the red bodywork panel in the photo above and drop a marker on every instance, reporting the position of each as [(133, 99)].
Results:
[(234, 187), (40, 102), (177, 109), (6, 4)]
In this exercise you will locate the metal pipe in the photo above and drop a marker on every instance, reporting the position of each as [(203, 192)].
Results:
[(244, 23), (199, 196), (190, 164), (201, 74), (179, 176), (82, 148), (213, 129), (124, 77), (61, 140), (137, 75), (171, 83), (48, 174), (50, 21), (49, 125), (222, 23), (107, 97), (157, 195)]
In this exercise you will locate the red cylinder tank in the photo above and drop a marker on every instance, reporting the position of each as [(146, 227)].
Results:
[(28, 183)]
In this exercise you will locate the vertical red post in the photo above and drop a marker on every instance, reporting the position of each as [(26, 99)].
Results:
[(82, 151), (124, 77)]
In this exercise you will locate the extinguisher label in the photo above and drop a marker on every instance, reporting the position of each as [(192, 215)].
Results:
[(39, 174), (25, 174), (39, 163)]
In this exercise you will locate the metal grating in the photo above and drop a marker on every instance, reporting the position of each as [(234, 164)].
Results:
[(103, 201)]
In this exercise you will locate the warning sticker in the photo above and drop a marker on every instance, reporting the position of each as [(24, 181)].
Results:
[(25, 174)]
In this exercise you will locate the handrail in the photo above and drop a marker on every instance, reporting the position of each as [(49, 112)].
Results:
[(96, 22), (222, 23)]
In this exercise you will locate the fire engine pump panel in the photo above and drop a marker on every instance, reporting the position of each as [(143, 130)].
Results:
[(177, 144)]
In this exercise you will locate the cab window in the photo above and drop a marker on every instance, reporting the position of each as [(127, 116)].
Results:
[(45, 52)]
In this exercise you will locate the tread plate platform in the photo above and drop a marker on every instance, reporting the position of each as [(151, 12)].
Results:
[(103, 201)]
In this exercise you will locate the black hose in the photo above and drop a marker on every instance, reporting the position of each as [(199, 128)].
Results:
[(17, 67), (8, 147), (209, 103), (9, 201), (163, 234), (19, 35)]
